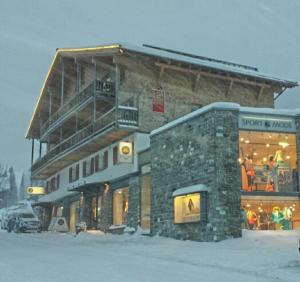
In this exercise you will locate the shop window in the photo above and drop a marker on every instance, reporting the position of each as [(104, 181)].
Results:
[(187, 208), (145, 201), (268, 161), (94, 209), (270, 214), (99, 206), (120, 206)]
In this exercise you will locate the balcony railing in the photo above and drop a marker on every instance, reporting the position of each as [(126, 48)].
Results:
[(126, 116), (101, 87)]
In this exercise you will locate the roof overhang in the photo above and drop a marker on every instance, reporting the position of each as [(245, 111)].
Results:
[(161, 53), (68, 52)]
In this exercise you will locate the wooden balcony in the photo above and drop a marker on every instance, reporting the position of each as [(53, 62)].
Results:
[(96, 88), (110, 127)]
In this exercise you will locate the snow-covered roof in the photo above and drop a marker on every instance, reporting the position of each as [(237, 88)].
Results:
[(206, 62), (190, 190), (226, 106)]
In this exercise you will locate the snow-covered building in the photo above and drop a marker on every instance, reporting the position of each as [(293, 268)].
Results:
[(94, 116)]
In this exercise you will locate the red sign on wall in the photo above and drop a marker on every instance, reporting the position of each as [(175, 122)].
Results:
[(158, 100)]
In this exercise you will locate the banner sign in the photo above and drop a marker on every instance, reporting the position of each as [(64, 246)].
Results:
[(158, 100), (267, 123)]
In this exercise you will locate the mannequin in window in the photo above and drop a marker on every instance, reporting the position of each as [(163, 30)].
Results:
[(248, 164), (270, 168), (278, 157)]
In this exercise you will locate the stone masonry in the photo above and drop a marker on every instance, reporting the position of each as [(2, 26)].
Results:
[(202, 150)]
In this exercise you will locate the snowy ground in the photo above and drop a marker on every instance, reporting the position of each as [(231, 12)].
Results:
[(258, 256)]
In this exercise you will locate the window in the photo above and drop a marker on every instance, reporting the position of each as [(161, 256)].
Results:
[(77, 171), (120, 206), (145, 201), (97, 167), (101, 161), (115, 155), (88, 167), (278, 213), (268, 161), (57, 181), (74, 173), (47, 187), (84, 169), (105, 160), (92, 166), (187, 208), (70, 174), (52, 184)]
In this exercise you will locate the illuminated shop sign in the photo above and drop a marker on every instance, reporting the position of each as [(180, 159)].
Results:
[(35, 190), (125, 152), (267, 123)]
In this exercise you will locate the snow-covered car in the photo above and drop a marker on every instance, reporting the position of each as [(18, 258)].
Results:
[(26, 222)]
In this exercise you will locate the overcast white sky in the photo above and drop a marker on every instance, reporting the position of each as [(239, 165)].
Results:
[(262, 33)]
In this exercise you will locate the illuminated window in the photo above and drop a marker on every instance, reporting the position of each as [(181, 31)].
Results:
[(268, 161), (120, 206), (187, 208), (145, 201)]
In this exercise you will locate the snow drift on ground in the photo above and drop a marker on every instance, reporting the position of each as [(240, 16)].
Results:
[(94, 256)]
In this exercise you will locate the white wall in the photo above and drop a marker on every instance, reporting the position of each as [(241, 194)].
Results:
[(141, 142)]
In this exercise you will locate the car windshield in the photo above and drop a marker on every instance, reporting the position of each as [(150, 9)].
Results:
[(27, 215)]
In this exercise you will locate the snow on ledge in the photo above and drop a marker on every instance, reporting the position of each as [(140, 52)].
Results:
[(226, 106), (190, 190), (217, 105)]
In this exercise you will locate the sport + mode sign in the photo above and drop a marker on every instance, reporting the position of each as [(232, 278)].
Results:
[(267, 123)]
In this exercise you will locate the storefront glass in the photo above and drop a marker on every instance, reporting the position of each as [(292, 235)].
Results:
[(120, 206), (268, 161), (145, 201), (74, 215), (275, 214), (187, 208)]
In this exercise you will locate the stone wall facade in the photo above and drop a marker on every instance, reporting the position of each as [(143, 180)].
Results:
[(182, 93), (203, 150)]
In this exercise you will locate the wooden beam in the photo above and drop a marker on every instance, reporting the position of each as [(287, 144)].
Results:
[(229, 88), (197, 78), (259, 93), (209, 74), (162, 69)]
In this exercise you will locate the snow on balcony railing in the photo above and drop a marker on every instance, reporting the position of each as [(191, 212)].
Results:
[(125, 116)]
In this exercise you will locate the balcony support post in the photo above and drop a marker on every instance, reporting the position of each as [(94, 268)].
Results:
[(77, 76), (62, 82), (50, 104), (95, 82), (40, 150), (117, 85), (32, 151)]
